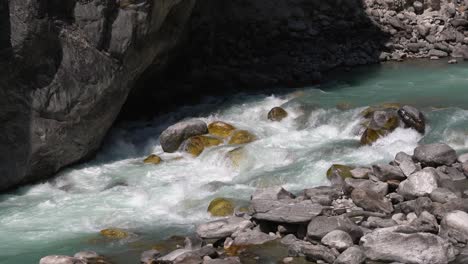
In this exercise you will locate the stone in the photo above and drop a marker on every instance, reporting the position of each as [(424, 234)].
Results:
[(337, 173), (285, 211), (221, 207), (435, 154), (173, 136), (241, 137), (338, 239), (149, 256), (385, 172), (453, 173), (152, 159), (251, 237), (463, 158), (237, 156), (271, 193), (228, 260), (418, 7), (352, 255), (57, 259), (221, 129), (390, 245), (371, 201), (360, 173), (442, 195), (323, 195), (223, 228), (409, 167), (465, 168), (401, 157), (377, 222), (426, 222), (277, 114), (455, 225), (318, 252), (322, 225), (195, 145), (114, 233), (86, 255), (376, 186), (419, 184)]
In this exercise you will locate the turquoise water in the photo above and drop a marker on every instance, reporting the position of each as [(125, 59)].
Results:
[(65, 214)]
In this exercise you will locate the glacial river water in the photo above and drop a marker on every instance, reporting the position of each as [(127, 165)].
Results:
[(64, 215)]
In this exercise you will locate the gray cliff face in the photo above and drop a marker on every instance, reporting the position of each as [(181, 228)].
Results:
[(67, 68)]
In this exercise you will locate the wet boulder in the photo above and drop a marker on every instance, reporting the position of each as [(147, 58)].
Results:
[(173, 136), (338, 239), (195, 145), (371, 201), (322, 225), (419, 184), (221, 129), (152, 159), (241, 137), (413, 118), (380, 124), (437, 154), (337, 173), (221, 207), (57, 259), (277, 114), (114, 233), (392, 245), (223, 227)]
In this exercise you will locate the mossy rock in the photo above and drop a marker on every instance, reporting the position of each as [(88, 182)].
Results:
[(114, 233), (221, 207), (210, 141), (277, 114), (337, 173), (391, 123), (368, 112), (241, 137), (152, 159), (220, 129), (195, 145), (371, 135)]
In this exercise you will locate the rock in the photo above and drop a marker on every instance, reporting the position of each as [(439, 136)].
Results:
[(413, 118), (114, 233), (453, 173), (195, 145), (455, 225), (376, 186), (271, 193), (442, 195), (418, 7), (465, 168), (223, 228), (418, 206), (385, 172), (152, 159), (371, 201), (323, 195), (277, 114), (437, 53), (409, 167), (149, 256), (459, 204), (435, 154), (418, 184), (371, 135), (452, 61), (389, 245), (173, 136), (221, 129), (237, 156), (337, 173), (56, 259), (86, 255), (426, 222), (322, 225), (377, 222), (221, 207), (401, 157), (318, 252), (241, 137), (228, 260), (251, 237), (352, 255), (337, 239), (463, 158), (381, 121), (360, 173), (285, 211)]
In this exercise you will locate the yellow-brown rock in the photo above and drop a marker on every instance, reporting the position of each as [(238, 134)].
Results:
[(337, 173), (196, 145), (277, 114), (221, 207), (241, 137), (152, 159), (236, 156), (210, 141), (114, 233), (220, 129)]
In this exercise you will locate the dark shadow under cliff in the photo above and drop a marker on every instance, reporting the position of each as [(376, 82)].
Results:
[(241, 45)]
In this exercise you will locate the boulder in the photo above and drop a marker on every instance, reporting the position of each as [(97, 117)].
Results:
[(285, 211), (86, 255), (152, 159), (221, 129), (352, 255), (57, 259), (251, 237), (419, 184), (371, 135), (376, 186), (390, 245), (318, 252), (149, 256), (371, 201), (114, 233), (465, 168), (360, 173), (228, 260), (337, 173), (377, 222), (323, 195), (381, 122), (417, 206), (385, 172), (223, 228), (338, 239), (426, 222), (463, 158), (400, 157), (241, 137), (271, 193), (221, 207), (173, 136), (322, 225), (454, 225), (442, 195), (277, 114), (435, 154), (195, 145)]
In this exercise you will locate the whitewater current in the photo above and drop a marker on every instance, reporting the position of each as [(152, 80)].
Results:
[(65, 214)]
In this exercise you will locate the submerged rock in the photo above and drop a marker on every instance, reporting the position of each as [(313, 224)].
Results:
[(277, 114), (173, 136), (221, 129), (237, 156), (149, 256), (57, 259), (221, 207), (152, 159), (241, 137), (435, 154), (114, 233)]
